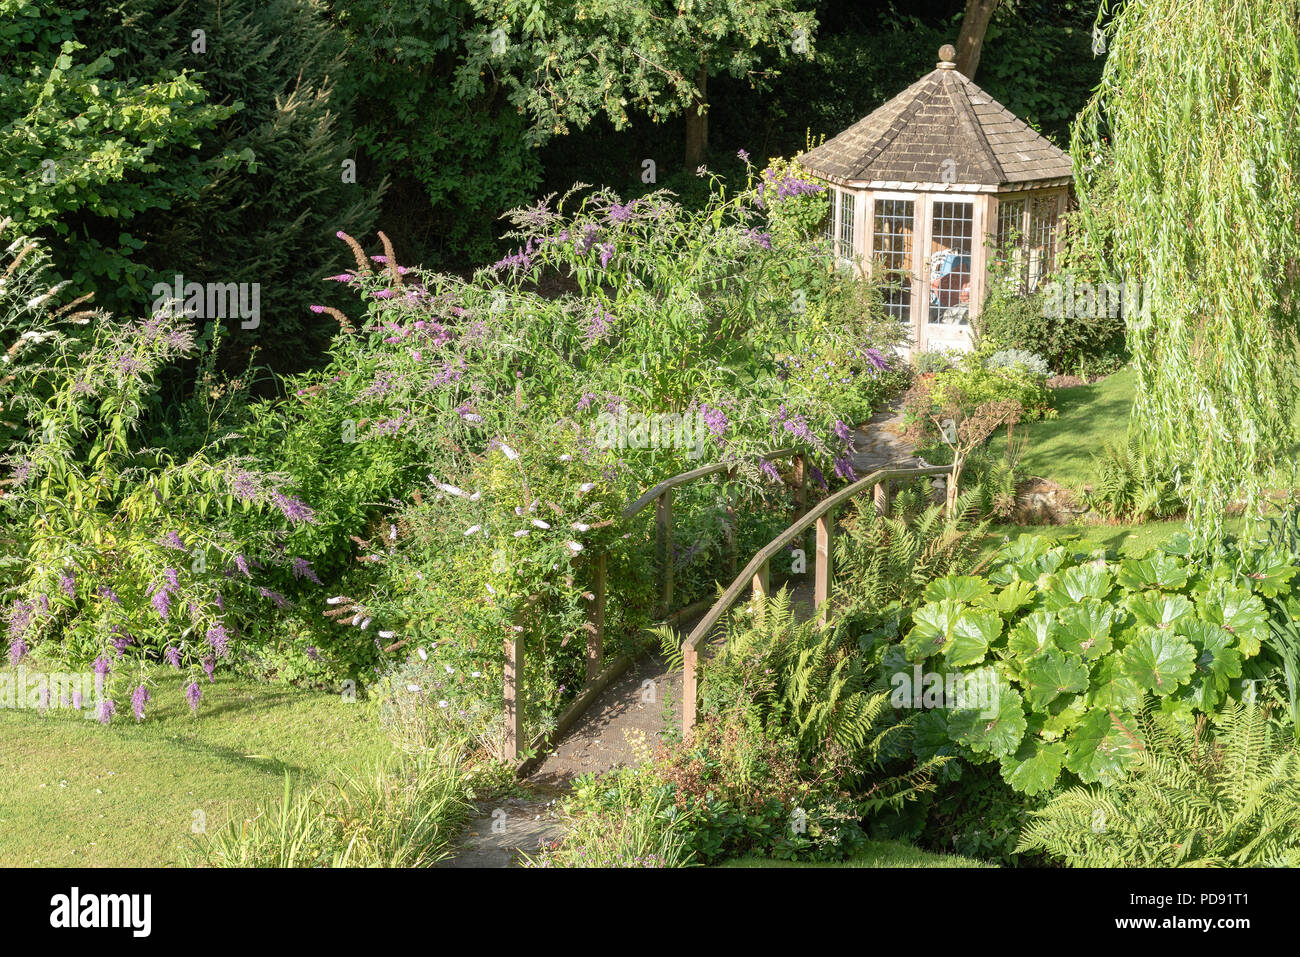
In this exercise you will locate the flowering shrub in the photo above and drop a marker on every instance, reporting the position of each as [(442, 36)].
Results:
[(126, 555), (477, 439)]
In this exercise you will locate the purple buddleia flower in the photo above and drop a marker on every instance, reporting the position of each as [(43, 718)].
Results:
[(796, 425), (193, 693), (276, 598), (293, 509), (138, 698), (769, 470), (108, 593), (173, 540), (68, 583), (102, 666), (818, 478), (715, 420), (761, 238), (520, 259), (744, 155), (219, 639), (302, 569), (878, 359), (606, 254), (219, 601), (106, 711), (162, 602), (842, 432), (173, 656), (244, 486), (621, 214), (312, 653), (173, 579), (598, 326), (210, 667), (844, 469), (242, 564), (17, 650), (20, 616), (585, 401)]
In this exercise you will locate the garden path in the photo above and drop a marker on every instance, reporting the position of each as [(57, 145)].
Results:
[(879, 442)]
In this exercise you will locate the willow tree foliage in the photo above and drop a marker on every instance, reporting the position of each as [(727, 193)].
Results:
[(1196, 114)]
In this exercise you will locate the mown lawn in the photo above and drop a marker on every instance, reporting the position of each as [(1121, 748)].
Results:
[(1088, 416), (875, 854), (1128, 540), (76, 793)]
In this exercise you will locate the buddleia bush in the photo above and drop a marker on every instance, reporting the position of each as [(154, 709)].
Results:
[(126, 555)]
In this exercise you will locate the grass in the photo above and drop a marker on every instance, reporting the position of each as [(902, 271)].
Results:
[(1128, 540), (76, 793), (875, 854), (1088, 416)]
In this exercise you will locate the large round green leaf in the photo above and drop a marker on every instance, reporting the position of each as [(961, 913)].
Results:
[(997, 733), (1159, 661), (1053, 673), (1035, 766), (1084, 629), (1077, 583), (1098, 750)]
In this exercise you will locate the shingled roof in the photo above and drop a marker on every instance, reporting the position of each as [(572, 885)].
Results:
[(942, 116)]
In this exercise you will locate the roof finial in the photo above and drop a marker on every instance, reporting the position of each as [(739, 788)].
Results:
[(947, 57)]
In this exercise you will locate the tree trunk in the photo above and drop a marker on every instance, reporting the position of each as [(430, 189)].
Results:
[(697, 122), (974, 24)]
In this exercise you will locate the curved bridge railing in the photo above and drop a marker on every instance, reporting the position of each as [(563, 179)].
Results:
[(755, 574)]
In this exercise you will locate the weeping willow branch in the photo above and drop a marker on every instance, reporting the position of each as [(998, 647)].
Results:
[(1197, 115)]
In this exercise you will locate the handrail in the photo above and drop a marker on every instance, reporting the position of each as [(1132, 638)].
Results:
[(706, 470), (756, 572)]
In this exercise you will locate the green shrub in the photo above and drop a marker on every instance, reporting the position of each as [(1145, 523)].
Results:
[(1018, 359), (626, 818), (1053, 646), (930, 361), (1192, 797), (1013, 319), (971, 383), (1131, 485)]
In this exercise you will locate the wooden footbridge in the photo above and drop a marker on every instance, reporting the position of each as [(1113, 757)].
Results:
[(754, 576)]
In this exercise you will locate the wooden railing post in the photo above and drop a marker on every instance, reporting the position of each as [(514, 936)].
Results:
[(596, 617), (822, 583), (731, 543), (799, 478), (690, 691), (664, 549), (881, 496), (514, 706), (762, 587)]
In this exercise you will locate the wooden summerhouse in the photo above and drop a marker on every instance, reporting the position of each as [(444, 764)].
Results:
[(927, 188)]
